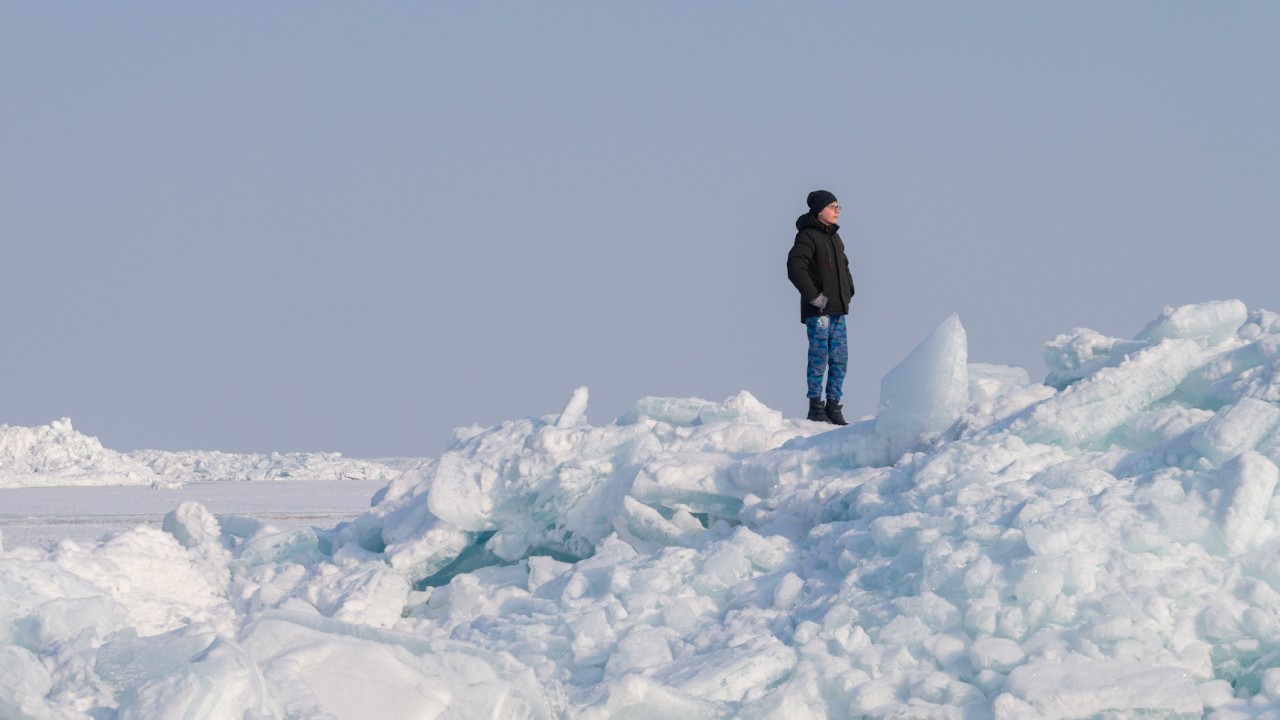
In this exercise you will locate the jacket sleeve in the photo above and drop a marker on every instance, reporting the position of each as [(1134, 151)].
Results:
[(799, 261)]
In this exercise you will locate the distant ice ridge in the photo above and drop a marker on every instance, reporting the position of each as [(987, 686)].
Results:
[(207, 466), (1104, 545), (56, 454)]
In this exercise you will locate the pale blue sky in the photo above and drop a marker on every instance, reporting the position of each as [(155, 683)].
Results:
[(295, 226)]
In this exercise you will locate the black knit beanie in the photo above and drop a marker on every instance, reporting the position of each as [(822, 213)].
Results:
[(819, 199)]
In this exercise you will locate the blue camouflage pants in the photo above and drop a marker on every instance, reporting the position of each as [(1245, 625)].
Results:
[(828, 355)]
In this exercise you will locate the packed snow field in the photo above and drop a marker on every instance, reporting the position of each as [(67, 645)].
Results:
[(1102, 545)]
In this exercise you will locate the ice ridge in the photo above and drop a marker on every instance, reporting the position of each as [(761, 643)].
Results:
[(1100, 545)]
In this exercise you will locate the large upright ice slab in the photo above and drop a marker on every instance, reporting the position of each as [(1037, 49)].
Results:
[(928, 390), (575, 411)]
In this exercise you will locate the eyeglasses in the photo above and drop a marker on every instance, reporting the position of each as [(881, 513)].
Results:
[(835, 207)]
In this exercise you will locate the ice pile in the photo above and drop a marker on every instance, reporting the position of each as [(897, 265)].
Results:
[(1104, 545), (58, 455), (55, 454)]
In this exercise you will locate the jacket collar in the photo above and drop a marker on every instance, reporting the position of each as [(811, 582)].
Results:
[(811, 221)]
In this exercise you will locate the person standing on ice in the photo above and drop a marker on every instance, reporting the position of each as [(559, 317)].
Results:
[(818, 267)]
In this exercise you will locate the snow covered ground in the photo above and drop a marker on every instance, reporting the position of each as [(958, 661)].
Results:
[(1102, 545)]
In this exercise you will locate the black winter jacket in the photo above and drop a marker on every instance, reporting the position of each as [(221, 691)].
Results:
[(817, 265)]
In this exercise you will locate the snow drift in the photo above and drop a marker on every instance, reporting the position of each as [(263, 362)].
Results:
[(1101, 545)]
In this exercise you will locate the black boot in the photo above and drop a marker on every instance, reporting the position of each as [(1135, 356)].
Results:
[(817, 410), (834, 414)]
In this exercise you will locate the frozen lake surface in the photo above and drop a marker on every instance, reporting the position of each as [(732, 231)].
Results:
[(42, 516)]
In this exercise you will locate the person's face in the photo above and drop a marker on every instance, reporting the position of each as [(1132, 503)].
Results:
[(830, 214)]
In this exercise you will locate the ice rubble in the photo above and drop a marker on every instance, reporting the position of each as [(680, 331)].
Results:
[(1103, 545), (927, 390)]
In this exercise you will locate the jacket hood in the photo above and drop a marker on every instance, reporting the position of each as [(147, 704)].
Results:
[(809, 220)]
